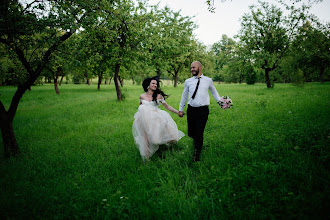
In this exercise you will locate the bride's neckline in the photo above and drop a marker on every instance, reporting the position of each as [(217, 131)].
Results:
[(149, 101)]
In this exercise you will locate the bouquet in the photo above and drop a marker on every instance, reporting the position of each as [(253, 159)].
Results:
[(225, 102)]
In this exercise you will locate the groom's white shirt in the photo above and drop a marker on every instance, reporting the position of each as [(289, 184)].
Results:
[(202, 97)]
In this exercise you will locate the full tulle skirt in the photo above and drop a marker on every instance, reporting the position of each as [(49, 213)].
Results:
[(153, 127)]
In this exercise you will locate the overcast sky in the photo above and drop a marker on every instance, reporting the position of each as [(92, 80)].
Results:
[(225, 20)]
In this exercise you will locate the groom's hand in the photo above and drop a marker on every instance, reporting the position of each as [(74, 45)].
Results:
[(181, 113)]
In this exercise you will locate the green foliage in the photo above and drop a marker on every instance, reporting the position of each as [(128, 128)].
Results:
[(224, 51), (265, 158), (274, 45), (11, 70), (169, 43), (310, 51), (161, 41), (266, 34), (222, 54), (251, 76)]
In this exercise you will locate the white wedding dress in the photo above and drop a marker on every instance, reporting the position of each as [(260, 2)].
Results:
[(153, 127)]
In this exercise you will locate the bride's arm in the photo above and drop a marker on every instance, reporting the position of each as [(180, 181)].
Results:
[(167, 106), (170, 108)]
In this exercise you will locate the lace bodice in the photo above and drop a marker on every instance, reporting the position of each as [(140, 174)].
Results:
[(152, 103)]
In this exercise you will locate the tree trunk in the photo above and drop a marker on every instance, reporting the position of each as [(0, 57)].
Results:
[(61, 79), (7, 117), (87, 79), (55, 81), (159, 73), (176, 78), (6, 121), (56, 87), (176, 73), (269, 85), (100, 81), (8, 135), (115, 79), (121, 81)]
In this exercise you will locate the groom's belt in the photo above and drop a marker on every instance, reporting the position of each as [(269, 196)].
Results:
[(203, 106)]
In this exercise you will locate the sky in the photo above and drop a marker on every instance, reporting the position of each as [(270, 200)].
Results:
[(225, 20)]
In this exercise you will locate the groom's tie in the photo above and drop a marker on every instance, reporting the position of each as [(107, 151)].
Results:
[(193, 96)]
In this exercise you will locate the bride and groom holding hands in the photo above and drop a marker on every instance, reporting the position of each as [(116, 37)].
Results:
[(153, 127)]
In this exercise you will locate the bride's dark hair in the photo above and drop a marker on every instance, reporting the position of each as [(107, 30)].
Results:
[(146, 84)]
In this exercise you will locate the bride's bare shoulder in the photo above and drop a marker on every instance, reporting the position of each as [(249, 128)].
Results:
[(143, 96)]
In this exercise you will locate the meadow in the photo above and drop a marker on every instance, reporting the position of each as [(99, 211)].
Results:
[(265, 158)]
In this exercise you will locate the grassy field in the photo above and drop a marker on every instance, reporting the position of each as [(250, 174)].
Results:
[(266, 158)]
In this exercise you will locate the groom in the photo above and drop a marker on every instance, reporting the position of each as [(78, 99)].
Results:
[(196, 90)]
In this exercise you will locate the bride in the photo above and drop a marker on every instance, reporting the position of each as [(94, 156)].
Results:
[(153, 127)]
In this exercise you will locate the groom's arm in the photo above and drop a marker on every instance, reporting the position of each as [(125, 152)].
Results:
[(184, 97), (214, 91)]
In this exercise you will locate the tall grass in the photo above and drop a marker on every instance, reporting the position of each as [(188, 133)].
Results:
[(267, 157)]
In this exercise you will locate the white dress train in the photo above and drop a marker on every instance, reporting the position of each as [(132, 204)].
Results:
[(153, 127)]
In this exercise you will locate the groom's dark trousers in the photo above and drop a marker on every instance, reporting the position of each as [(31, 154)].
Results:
[(197, 118)]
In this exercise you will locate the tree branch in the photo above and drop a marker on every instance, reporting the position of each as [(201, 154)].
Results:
[(29, 5), (33, 75)]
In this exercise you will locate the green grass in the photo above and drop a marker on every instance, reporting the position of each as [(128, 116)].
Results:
[(266, 158)]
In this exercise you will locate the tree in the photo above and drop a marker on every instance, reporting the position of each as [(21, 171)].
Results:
[(127, 22), (78, 57), (267, 33), (157, 44), (55, 74), (223, 52), (169, 42), (96, 49), (180, 43), (33, 31), (311, 51)]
